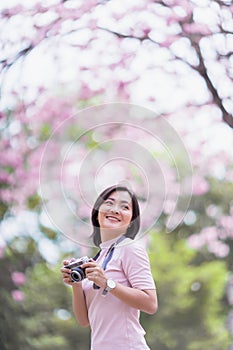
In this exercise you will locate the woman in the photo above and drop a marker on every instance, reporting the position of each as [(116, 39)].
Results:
[(119, 284)]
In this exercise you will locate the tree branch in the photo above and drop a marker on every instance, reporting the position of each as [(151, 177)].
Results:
[(6, 64), (128, 36), (202, 70)]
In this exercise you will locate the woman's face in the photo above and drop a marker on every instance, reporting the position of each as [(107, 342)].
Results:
[(116, 212)]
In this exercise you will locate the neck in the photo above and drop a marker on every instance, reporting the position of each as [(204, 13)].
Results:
[(107, 235)]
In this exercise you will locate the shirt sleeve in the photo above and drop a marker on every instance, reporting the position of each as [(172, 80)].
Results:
[(136, 266)]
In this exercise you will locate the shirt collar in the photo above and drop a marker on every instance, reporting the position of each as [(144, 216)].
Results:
[(107, 244)]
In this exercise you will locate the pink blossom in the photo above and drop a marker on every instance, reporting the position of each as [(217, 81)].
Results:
[(219, 249), (185, 4), (209, 237), (6, 195), (11, 158), (230, 290), (17, 295), (12, 11), (41, 34), (169, 206), (169, 41), (55, 27), (34, 160), (52, 112), (122, 90), (85, 92), (39, 8), (92, 24), (18, 278), (173, 18), (6, 178), (229, 175), (84, 211), (88, 5), (196, 28), (60, 9), (195, 241), (144, 30), (209, 234), (2, 251), (227, 222), (223, 234), (200, 185)]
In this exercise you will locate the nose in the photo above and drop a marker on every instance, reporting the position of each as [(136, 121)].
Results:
[(115, 209)]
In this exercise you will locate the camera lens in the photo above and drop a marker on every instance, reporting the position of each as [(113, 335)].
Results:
[(77, 275)]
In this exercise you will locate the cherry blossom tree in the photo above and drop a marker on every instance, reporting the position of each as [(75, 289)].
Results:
[(193, 36), (115, 51), (169, 47), (66, 56)]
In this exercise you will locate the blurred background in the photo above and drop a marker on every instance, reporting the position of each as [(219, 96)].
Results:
[(172, 57)]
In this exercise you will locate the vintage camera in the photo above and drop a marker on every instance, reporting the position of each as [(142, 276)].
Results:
[(77, 273)]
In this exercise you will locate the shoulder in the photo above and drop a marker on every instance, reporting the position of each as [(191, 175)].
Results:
[(133, 247), (136, 265)]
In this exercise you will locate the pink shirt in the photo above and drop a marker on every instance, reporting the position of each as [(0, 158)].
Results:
[(115, 325)]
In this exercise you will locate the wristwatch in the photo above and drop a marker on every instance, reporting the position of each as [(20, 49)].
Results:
[(110, 285)]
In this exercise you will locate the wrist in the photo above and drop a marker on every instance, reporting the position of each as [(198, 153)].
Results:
[(105, 283), (110, 285), (76, 285)]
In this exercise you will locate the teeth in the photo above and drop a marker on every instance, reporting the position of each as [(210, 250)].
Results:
[(112, 217)]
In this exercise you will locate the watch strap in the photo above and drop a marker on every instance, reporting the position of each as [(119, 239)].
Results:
[(105, 291)]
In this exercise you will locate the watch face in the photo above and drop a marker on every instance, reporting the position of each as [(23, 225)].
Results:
[(111, 284)]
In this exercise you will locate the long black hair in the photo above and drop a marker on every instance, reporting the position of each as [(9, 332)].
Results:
[(132, 230)]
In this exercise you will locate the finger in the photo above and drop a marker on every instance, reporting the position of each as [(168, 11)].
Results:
[(91, 270), (92, 277), (66, 262), (94, 268), (65, 270), (96, 279), (95, 273), (69, 282), (65, 275), (89, 264), (67, 279)]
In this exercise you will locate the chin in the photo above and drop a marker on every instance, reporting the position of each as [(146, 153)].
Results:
[(115, 231)]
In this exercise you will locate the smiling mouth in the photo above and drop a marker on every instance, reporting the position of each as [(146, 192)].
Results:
[(112, 218)]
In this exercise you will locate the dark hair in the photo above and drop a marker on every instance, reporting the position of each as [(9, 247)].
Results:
[(135, 221)]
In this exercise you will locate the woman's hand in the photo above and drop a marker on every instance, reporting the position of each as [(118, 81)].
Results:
[(95, 273), (79, 302), (66, 273)]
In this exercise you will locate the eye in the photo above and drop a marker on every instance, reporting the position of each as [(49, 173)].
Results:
[(125, 207), (108, 202)]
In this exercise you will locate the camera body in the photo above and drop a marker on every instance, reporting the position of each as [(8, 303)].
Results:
[(77, 273)]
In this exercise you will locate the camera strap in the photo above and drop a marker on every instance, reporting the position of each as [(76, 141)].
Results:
[(110, 251), (108, 256)]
